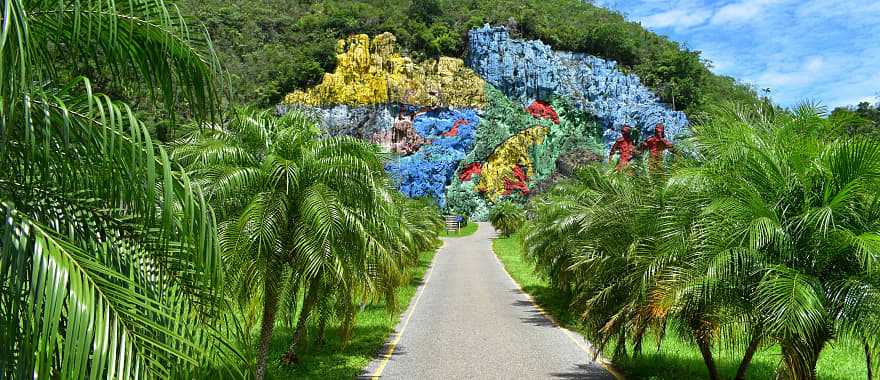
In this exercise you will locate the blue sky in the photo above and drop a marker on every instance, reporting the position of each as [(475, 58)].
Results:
[(817, 50)]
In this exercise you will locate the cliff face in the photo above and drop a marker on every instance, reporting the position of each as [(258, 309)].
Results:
[(448, 136), (531, 70), (470, 136), (509, 168), (373, 72)]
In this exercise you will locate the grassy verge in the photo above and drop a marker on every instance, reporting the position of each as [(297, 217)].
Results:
[(676, 358), (332, 360), (469, 229)]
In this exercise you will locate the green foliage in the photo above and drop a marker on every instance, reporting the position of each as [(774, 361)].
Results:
[(861, 120), (311, 225), (109, 260), (252, 41), (462, 199), (769, 238), (507, 217), (669, 357), (334, 358)]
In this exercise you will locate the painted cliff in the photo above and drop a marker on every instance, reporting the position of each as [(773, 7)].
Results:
[(503, 126), (531, 70)]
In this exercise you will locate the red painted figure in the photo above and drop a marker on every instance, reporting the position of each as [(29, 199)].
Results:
[(656, 145), (542, 110), (518, 182), (469, 171), (454, 130), (625, 146)]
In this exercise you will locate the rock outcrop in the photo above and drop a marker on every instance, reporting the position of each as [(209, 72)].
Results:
[(510, 166), (531, 70), (448, 136), (512, 122), (374, 72)]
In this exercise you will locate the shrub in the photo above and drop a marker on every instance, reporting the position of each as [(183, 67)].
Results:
[(507, 217)]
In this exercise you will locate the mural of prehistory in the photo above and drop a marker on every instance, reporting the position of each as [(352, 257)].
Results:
[(502, 125), (529, 70)]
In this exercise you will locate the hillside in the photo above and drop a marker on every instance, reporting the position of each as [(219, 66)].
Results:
[(279, 46), (471, 133)]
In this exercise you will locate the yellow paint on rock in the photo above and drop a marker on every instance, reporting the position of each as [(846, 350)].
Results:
[(500, 164), (374, 72)]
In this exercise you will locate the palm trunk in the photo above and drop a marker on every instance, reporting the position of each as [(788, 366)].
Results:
[(347, 326), (637, 340), (661, 335), (270, 306), (747, 358), (706, 351), (620, 349), (800, 358), (868, 361), (311, 297), (322, 325)]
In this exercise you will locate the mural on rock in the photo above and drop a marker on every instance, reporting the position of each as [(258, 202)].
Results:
[(517, 148), (501, 127), (510, 166), (426, 172), (529, 70), (374, 72)]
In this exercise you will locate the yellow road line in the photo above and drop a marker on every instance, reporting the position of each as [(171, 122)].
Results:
[(605, 363), (393, 345)]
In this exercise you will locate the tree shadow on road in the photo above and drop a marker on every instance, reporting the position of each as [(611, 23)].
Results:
[(534, 316), (585, 372)]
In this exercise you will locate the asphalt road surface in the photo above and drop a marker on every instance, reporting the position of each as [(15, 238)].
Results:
[(469, 320)]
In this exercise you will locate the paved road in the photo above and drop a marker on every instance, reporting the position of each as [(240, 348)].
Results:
[(471, 321)]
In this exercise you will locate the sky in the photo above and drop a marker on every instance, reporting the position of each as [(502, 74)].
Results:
[(825, 51)]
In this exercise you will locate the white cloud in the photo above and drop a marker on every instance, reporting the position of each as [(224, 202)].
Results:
[(806, 74), (802, 49), (677, 18), (842, 102), (742, 11)]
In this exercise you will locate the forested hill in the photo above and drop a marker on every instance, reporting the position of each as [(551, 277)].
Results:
[(272, 47)]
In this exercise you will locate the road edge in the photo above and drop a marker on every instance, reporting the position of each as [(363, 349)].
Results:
[(600, 359)]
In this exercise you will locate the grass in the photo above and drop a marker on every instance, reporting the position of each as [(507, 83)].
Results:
[(467, 230), (676, 358), (332, 360)]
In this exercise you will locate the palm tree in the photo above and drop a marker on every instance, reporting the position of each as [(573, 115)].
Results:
[(507, 217), (769, 237), (800, 209), (600, 238), (108, 258), (300, 208)]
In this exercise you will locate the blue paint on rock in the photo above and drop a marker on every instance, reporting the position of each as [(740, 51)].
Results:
[(428, 171), (529, 70)]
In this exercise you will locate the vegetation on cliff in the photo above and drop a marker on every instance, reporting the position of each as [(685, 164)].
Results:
[(279, 46)]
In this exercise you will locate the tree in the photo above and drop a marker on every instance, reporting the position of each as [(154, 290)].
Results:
[(795, 212), (862, 120), (108, 257), (768, 235), (507, 217), (305, 216)]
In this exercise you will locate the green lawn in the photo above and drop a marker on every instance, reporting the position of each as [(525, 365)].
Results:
[(676, 359), (332, 361), (467, 230)]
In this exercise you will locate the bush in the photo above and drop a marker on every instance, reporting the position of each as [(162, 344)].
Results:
[(507, 217)]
